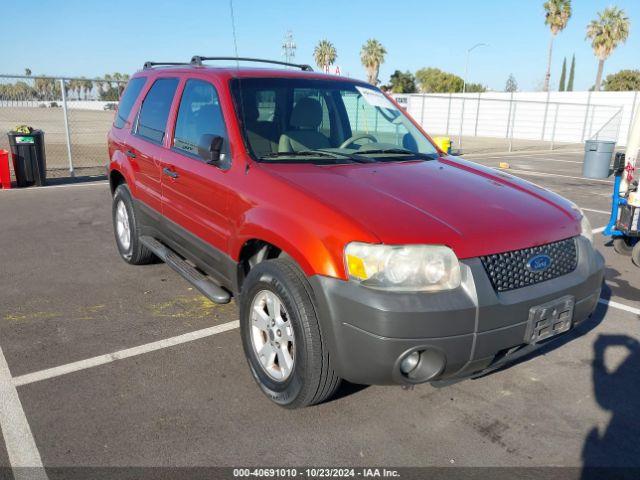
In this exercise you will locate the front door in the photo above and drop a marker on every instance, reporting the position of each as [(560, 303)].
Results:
[(194, 193)]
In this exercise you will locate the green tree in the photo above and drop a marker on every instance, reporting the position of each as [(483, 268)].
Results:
[(325, 54), (434, 80), (563, 75), (372, 56), (609, 30), (512, 84), (557, 14), (623, 81), (572, 74), (475, 88), (27, 72), (402, 82)]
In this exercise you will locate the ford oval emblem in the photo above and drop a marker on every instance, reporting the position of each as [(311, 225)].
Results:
[(539, 263)]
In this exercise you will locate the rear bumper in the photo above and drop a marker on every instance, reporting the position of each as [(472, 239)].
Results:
[(465, 331)]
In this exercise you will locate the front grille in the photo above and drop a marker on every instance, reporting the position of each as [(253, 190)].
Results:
[(509, 270)]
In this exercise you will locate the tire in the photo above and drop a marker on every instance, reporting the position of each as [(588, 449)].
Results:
[(131, 251), (635, 254), (311, 378), (623, 245)]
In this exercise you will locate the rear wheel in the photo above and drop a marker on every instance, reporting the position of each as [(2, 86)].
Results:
[(623, 245), (281, 336), (126, 229)]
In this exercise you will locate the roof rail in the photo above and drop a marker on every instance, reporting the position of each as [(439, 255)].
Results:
[(197, 60), (153, 64)]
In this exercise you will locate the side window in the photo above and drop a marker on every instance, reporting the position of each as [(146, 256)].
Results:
[(199, 114), (152, 118), (128, 99)]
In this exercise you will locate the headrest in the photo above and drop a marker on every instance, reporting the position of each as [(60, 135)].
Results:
[(307, 113), (250, 108)]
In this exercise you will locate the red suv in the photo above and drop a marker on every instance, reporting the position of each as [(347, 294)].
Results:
[(355, 248)]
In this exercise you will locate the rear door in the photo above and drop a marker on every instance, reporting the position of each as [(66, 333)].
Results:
[(195, 194), (146, 142)]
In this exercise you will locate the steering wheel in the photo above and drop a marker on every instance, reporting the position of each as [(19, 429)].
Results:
[(359, 136)]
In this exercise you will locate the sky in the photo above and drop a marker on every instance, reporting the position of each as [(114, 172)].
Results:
[(90, 38)]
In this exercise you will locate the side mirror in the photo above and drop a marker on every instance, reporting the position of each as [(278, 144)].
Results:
[(210, 148), (456, 152)]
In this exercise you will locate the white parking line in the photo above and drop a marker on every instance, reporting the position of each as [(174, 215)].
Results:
[(596, 211), (49, 187), (543, 174), (169, 342), (121, 354), (620, 306), (521, 155), (18, 439), (598, 230)]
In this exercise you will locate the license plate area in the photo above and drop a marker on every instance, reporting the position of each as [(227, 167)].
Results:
[(550, 319)]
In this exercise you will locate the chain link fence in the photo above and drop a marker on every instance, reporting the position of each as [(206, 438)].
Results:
[(479, 124), (74, 113), (77, 113)]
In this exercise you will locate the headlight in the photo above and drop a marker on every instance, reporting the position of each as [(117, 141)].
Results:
[(585, 228), (585, 225), (403, 267)]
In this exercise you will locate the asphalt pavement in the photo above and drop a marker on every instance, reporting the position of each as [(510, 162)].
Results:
[(110, 370)]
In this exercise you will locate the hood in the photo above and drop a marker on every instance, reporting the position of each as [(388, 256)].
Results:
[(470, 208)]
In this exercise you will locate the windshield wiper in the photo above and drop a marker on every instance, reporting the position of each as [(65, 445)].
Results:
[(318, 153), (351, 156), (400, 151)]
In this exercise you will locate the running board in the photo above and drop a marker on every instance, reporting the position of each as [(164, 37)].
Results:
[(203, 283)]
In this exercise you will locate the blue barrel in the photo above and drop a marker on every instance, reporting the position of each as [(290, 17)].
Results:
[(597, 158)]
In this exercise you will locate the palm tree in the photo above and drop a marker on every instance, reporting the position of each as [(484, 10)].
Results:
[(606, 33), (87, 86), (372, 56), (27, 72), (325, 54), (557, 14)]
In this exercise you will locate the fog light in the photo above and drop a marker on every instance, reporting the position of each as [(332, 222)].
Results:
[(410, 362)]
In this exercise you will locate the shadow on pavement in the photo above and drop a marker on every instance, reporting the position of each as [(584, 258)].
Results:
[(77, 179), (615, 452)]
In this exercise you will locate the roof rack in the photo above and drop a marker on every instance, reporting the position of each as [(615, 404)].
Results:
[(197, 60), (153, 64)]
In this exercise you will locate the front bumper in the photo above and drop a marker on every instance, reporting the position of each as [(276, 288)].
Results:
[(465, 331)]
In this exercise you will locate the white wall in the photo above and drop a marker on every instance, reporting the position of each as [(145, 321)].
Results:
[(577, 115)]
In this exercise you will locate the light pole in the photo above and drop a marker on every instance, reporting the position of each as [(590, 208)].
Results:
[(464, 88), (466, 65)]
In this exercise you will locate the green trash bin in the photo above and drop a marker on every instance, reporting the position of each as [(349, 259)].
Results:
[(597, 158)]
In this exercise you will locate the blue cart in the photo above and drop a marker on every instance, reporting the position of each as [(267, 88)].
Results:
[(624, 223)]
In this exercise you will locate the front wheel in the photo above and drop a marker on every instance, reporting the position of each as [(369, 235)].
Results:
[(623, 245), (635, 254), (281, 336)]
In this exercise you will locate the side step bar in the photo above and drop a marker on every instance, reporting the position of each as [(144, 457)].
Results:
[(204, 284)]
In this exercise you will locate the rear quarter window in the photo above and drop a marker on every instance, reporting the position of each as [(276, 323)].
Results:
[(152, 118), (129, 97)]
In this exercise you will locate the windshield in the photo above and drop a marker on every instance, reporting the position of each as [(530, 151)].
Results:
[(320, 121)]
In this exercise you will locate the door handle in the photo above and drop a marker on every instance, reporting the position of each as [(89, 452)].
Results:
[(169, 172), (130, 154)]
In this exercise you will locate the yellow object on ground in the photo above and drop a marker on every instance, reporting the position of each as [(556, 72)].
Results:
[(444, 143), (504, 165)]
